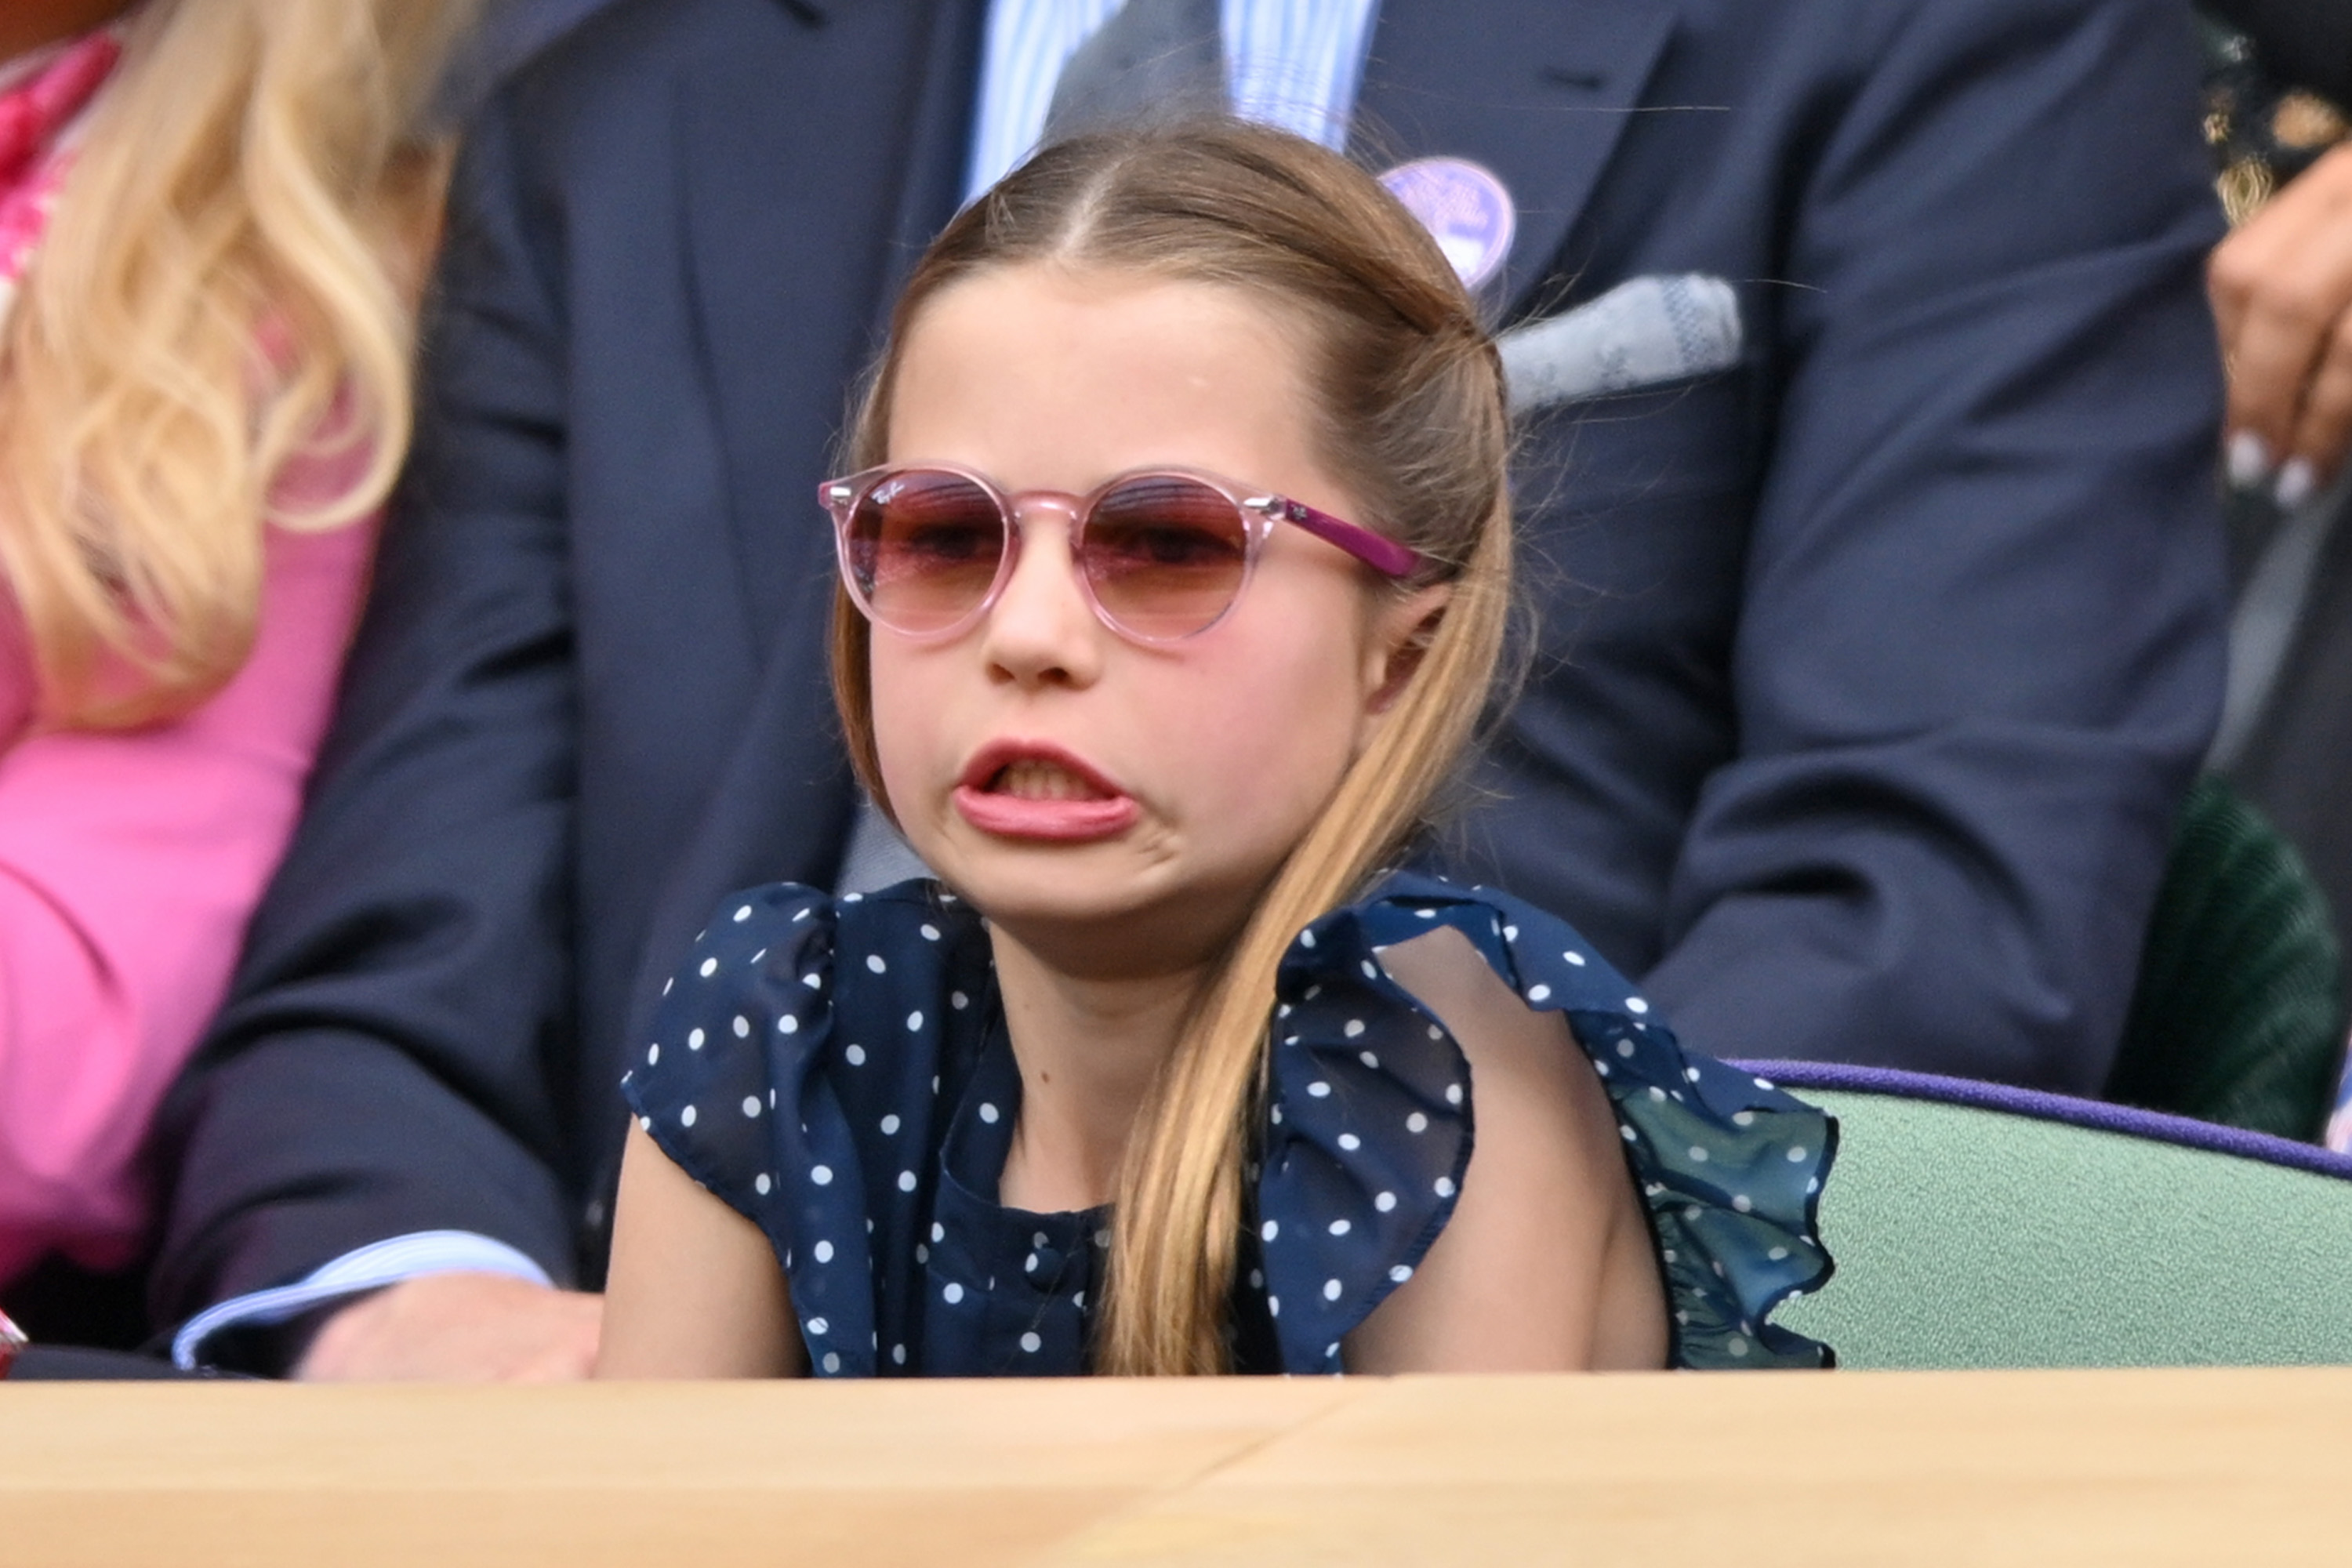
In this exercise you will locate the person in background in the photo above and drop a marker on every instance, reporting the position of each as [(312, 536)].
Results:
[(214, 220), (1879, 616)]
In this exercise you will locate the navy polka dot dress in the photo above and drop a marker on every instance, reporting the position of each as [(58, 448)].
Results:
[(838, 1071)]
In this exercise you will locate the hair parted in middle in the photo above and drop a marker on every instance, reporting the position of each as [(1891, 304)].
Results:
[(1407, 402)]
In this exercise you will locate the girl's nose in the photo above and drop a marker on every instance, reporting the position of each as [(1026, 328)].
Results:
[(1040, 630)]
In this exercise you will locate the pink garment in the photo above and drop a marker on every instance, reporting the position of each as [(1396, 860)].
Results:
[(129, 866)]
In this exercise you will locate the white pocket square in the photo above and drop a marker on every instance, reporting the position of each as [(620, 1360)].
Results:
[(1646, 331)]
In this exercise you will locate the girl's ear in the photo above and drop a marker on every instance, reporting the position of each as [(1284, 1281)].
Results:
[(1402, 636)]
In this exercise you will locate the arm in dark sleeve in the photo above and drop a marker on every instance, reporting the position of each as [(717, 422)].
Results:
[(2307, 42), (1980, 650), (383, 1066)]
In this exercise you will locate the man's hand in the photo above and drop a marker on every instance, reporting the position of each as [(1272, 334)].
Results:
[(458, 1328), (2282, 288)]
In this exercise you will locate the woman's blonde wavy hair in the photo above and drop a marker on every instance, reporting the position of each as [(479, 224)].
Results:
[(228, 281), (1407, 398)]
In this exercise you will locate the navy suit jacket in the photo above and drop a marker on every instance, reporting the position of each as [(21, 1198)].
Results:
[(1867, 676)]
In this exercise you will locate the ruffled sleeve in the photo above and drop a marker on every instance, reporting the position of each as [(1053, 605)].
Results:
[(1370, 1125), (743, 1034)]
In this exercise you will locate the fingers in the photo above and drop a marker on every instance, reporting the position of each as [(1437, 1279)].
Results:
[(2282, 291)]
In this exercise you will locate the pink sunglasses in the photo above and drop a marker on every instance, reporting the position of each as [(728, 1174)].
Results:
[(1161, 555)]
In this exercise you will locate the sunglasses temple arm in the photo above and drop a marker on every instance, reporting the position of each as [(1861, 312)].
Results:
[(1377, 551)]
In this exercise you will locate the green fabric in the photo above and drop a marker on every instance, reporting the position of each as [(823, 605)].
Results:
[(1974, 1238), (2238, 1016)]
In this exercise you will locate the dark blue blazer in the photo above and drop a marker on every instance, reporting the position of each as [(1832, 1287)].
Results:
[(1867, 677)]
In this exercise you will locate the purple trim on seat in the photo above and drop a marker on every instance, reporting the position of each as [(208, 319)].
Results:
[(2042, 1106)]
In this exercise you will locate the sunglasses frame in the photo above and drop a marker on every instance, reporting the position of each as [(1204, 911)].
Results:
[(1259, 511)]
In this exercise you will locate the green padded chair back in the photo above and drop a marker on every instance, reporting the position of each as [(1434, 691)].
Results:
[(2239, 1015), (1969, 1236)]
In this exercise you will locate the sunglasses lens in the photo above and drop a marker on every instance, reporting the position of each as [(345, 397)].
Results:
[(924, 549), (1164, 556)]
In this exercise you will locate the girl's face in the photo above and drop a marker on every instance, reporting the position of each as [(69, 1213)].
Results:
[(1116, 804)]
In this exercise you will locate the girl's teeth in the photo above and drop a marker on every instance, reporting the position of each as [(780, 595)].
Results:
[(1034, 780)]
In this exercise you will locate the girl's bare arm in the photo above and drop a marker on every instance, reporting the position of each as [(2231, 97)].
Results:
[(694, 1290), (1547, 1264)]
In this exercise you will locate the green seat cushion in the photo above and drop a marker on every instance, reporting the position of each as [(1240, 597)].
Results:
[(1969, 1238)]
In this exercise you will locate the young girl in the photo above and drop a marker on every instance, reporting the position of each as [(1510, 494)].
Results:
[(1175, 565), (213, 216)]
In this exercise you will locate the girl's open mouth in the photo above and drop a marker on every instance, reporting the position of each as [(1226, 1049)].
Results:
[(1036, 791)]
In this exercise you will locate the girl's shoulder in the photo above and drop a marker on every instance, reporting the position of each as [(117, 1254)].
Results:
[(789, 992), (1369, 1122)]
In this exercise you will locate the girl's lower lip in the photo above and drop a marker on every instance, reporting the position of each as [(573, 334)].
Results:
[(1054, 821)]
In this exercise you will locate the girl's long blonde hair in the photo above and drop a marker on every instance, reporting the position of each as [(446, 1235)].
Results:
[(1408, 400), (230, 279)]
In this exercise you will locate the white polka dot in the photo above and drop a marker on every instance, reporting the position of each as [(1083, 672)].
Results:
[(1029, 1264), (788, 1025), (1445, 1186), (1257, 1278), (1743, 1118), (686, 1117), (1510, 933), (1539, 993), (1350, 1143), (1737, 1346), (897, 1356), (853, 898), (1319, 1088), (1426, 914), (914, 1022), (1626, 1133), (1436, 1033), (1691, 1212), (1031, 1343), (1575, 958), (743, 914), (1691, 1073), (1355, 1027), (709, 968), (694, 1039), (1764, 1083), (1453, 1094), (1797, 1155), (873, 961), (1313, 992), (1274, 1111), (1331, 1290), (987, 1112), (666, 985), (646, 1122), (1814, 1186), (800, 915), (889, 1124), (1340, 1227), (760, 1184), (906, 1180), (959, 1001), (742, 1028), (1778, 1254), (1369, 1059), (821, 1174), (1671, 1256), (1078, 1299), (922, 1253), (939, 1231), (1371, 970), (1269, 1230), (1401, 1273), (815, 982), (930, 931), (818, 1326), (1416, 1122), (653, 1053), (1635, 1005), (1385, 1201), (1697, 1154), (855, 1056), (831, 1362), (822, 1252), (1657, 1094), (1273, 1306), (1625, 1048), (751, 1105), (1740, 1202), (952, 1294), (1038, 1238)]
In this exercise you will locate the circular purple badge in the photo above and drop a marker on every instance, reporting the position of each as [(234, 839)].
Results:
[(1465, 206)]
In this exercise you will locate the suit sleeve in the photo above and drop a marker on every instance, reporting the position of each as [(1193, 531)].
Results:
[(383, 1064), (1978, 652)]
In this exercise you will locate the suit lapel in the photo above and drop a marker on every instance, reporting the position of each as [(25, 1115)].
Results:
[(813, 174), (1479, 87)]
